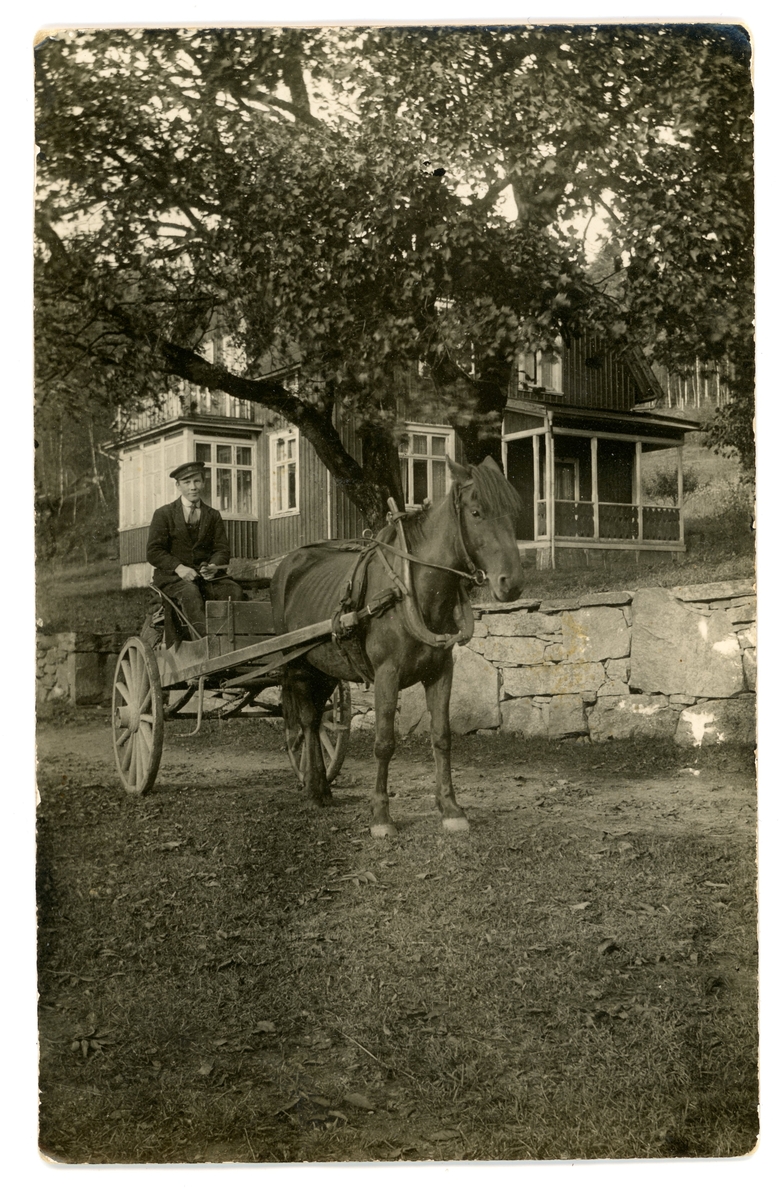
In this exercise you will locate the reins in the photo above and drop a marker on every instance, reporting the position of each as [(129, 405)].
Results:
[(412, 618), (475, 574)]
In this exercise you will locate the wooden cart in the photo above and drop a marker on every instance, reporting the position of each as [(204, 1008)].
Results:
[(224, 674)]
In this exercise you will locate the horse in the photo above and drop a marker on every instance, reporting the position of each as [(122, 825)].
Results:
[(407, 630)]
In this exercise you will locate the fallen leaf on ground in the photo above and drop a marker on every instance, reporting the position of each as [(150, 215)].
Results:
[(442, 1135), (357, 1100)]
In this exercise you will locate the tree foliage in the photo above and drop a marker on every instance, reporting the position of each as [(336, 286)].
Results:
[(370, 198)]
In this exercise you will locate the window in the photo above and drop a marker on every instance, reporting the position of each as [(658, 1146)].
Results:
[(284, 472), (540, 369), (229, 477), (423, 463)]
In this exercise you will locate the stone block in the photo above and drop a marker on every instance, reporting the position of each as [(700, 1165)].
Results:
[(364, 721), (475, 700), (677, 698), (475, 703), (524, 717), (513, 651), (480, 629), (552, 679), (567, 717), (521, 624), (749, 667), (618, 668), (558, 606), (593, 634), (631, 717), (674, 649), (707, 592), (605, 599), (64, 677), (412, 710), (747, 637), (714, 721), (88, 678), (614, 687), (742, 614), (554, 652)]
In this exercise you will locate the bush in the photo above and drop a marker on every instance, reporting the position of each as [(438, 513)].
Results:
[(663, 484)]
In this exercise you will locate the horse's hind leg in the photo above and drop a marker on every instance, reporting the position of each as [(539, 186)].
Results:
[(438, 692), (305, 693), (387, 689)]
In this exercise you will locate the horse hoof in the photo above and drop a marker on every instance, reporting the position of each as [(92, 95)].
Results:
[(380, 831), (456, 825)]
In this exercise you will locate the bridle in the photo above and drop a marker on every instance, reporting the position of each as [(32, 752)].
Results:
[(476, 575)]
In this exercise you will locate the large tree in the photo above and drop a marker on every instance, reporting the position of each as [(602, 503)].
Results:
[(368, 198)]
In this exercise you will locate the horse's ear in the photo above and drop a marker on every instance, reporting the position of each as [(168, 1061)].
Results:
[(458, 472), (491, 462)]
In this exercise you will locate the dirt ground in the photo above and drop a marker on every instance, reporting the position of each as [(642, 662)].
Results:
[(228, 976), (624, 779)]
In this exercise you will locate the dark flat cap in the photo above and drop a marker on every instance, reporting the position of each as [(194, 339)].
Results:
[(186, 469)]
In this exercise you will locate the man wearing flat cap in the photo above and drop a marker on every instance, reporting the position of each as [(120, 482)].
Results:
[(188, 547)]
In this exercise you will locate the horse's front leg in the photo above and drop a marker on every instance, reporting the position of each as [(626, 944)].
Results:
[(438, 692), (387, 689)]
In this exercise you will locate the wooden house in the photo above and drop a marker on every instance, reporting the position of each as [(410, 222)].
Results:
[(574, 439)]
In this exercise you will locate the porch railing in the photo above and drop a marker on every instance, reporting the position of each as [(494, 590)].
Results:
[(196, 402), (616, 522)]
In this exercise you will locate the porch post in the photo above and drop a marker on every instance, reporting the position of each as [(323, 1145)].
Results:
[(549, 483), (594, 478), (536, 484), (680, 491), (639, 505)]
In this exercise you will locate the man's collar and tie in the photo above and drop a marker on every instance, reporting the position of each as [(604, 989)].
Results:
[(192, 511)]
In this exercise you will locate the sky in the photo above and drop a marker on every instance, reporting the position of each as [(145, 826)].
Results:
[(21, 1164)]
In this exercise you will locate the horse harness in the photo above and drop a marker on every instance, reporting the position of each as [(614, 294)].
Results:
[(348, 618)]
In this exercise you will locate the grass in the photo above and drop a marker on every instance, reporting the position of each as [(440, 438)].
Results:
[(226, 976)]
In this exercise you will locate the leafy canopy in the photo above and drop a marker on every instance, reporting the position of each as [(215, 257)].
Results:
[(370, 198)]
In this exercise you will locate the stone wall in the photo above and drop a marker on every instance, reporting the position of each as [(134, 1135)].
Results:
[(76, 668), (675, 663)]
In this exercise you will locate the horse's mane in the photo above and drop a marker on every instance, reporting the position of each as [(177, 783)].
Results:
[(494, 493)]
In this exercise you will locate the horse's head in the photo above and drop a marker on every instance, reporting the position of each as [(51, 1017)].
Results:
[(487, 506)]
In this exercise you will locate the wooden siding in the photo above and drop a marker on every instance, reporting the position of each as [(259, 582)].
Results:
[(347, 521), (133, 545), (279, 535), (242, 538), (606, 383)]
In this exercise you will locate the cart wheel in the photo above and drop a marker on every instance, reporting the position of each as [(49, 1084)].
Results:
[(137, 725), (334, 733)]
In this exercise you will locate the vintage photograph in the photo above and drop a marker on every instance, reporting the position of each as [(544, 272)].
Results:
[(395, 593)]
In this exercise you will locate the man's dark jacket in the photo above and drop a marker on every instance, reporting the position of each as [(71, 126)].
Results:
[(171, 545)]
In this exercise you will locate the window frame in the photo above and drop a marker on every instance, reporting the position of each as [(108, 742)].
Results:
[(286, 433), (230, 514), (535, 360), (407, 459)]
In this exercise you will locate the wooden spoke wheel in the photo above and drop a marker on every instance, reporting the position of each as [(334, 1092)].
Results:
[(137, 717), (334, 733)]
